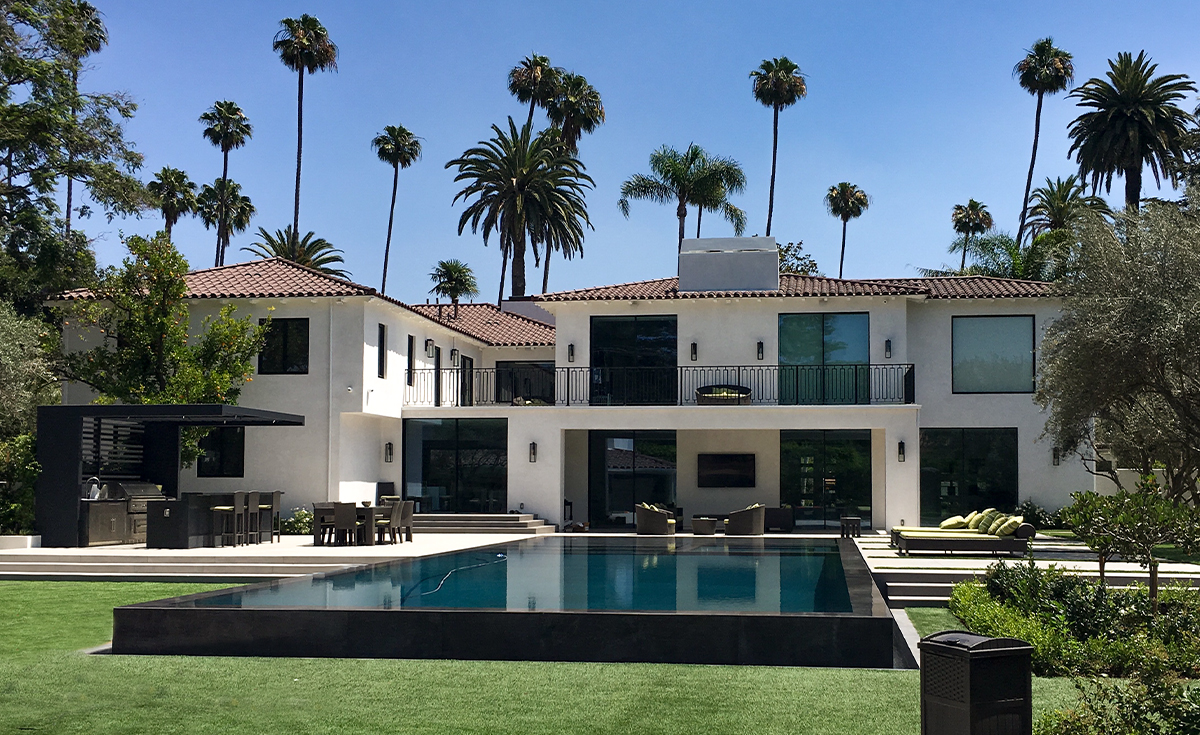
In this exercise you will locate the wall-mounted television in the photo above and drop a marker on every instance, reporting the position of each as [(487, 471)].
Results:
[(725, 470)]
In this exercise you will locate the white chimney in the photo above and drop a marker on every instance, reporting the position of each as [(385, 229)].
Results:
[(729, 264)]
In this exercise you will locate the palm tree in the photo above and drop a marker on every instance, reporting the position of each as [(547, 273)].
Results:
[(1060, 204), (528, 187), (84, 35), (846, 202), (534, 81), (777, 83), (175, 195), (453, 279), (575, 109), (222, 205), (1134, 122), (1044, 70), (998, 255), (228, 128), (972, 218), (688, 178), (399, 148), (309, 251), (719, 202), (304, 47)]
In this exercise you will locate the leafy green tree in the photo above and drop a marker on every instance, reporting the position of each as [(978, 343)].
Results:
[(222, 205), (174, 194), (399, 148), (309, 251), (1046, 69), (970, 219), (793, 259), (1061, 204), (1134, 122), (777, 83), (575, 109), (846, 202), (526, 187), (19, 470), (303, 46), (1088, 518), (453, 279), (27, 377), (83, 36), (228, 128), (534, 81), (691, 177)]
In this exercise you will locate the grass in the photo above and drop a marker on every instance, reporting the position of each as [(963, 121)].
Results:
[(1170, 552), (47, 685), (932, 620)]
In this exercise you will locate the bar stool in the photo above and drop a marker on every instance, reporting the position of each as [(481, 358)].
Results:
[(230, 520), (273, 507), (253, 521)]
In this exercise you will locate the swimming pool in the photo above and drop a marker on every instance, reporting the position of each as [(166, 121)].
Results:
[(762, 600)]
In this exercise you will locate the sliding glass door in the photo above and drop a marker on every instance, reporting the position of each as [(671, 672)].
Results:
[(825, 475), (634, 360), (626, 468), (824, 359), (457, 465), (967, 469)]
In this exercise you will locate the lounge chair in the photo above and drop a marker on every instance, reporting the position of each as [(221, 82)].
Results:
[(747, 522), (971, 542), (653, 521), (897, 530)]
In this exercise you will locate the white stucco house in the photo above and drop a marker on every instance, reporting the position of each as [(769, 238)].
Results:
[(897, 400)]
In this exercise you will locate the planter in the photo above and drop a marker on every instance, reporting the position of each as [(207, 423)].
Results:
[(20, 542), (723, 395)]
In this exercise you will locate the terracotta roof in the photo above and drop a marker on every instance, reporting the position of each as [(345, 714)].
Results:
[(488, 324), (960, 287)]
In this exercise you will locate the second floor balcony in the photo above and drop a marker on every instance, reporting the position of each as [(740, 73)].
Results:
[(738, 385)]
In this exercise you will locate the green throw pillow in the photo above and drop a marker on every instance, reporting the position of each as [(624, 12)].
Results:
[(953, 522), (1010, 526), (977, 521), (996, 524), (970, 517)]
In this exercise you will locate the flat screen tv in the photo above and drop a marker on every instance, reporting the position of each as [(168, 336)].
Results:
[(725, 470)]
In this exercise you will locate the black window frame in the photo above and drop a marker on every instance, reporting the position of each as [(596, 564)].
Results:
[(224, 446), (282, 329), (409, 376), (1032, 356), (381, 352)]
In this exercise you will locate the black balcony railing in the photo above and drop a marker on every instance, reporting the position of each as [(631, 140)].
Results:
[(757, 385)]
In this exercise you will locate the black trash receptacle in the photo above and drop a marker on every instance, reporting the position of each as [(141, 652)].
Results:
[(972, 684)]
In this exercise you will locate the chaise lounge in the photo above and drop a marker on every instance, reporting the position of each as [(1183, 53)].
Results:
[(987, 531)]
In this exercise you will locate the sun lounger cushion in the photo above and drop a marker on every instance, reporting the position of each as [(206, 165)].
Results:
[(953, 522), (978, 519), (996, 524), (1010, 526), (984, 521), (970, 517)]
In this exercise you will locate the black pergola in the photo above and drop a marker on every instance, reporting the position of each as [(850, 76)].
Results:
[(121, 432)]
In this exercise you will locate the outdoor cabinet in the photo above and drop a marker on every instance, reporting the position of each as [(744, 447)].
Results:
[(105, 522), (972, 684)]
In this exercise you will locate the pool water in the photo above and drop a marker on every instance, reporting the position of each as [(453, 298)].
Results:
[(583, 573)]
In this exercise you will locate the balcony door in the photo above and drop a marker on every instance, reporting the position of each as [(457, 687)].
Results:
[(634, 360), (824, 359)]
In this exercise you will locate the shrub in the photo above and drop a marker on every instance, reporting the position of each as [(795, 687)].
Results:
[(1152, 703), (1039, 517), (300, 524), (18, 473)]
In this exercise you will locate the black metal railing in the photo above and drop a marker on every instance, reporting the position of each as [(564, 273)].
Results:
[(757, 385)]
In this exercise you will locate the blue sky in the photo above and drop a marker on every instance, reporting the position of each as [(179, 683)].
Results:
[(914, 102)]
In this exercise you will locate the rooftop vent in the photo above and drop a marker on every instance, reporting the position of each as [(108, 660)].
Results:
[(729, 264)]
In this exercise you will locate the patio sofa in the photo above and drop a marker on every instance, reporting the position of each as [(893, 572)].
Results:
[(652, 521)]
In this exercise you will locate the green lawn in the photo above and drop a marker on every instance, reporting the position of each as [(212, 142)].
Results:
[(932, 620), (46, 685)]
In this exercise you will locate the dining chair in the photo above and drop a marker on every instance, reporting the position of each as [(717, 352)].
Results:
[(406, 519), (391, 524), (345, 523), (322, 524)]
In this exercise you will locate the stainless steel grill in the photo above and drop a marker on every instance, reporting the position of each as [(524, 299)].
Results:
[(135, 495)]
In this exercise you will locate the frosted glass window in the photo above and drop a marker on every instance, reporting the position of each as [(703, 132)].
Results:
[(993, 354)]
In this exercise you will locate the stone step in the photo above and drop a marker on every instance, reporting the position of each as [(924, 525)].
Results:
[(915, 601), (517, 530), (489, 517), (435, 525), (917, 589)]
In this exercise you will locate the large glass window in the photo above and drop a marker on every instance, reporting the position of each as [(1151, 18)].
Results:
[(223, 453), (524, 382), (286, 349), (967, 469), (634, 360), (457, 465), (993, 354), (824, 358), (626, 468), (824, 475)]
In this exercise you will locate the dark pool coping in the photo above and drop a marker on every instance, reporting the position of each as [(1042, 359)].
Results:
[(863, 637)]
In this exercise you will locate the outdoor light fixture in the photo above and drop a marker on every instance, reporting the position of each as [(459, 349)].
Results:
[(388, 452), (532, 451), (571, 352), (887, 348), (900, 452), (760, 350), (1057, 457), (454, 358), (693, 352), (429, 348)]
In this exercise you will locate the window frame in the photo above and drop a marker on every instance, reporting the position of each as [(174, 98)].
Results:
[(222, 459), (284, 322), (1032, 356), (381, 352), (409, 377)]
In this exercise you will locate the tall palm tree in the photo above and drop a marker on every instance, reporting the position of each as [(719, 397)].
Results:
[(1134, 122), (998, 255), (222, 205), (689, 178), (453, 279), (719, 202), (777, 83), (1045, 69), (1060, 204), (304, 47), (80, 37), (228, 128), (846, 202), (575, 109), (534, 81), (972, 218), (399, 148), (309, 251), (175, 195), (527, 188)]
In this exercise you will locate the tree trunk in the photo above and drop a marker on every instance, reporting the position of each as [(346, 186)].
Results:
[(221, 217), (518, 266), (532, 105), (71, 154), (299, 151), (966, 244), (1133, 187), (681, 213), (774, 158), (1153, 587), (842, 260), (546, 272), (503, 270), (70, 186), (1037, 128), (169, 224), (699, 215), (1103, 558), (387, 247)]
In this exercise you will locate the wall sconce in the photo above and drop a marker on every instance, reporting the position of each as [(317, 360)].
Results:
[(388, 452), (1057, 456), (532, 451), (454, 358), (571, 352), (429, 348), (693, 352), (887, 348), (900, 452), (760, 350)]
